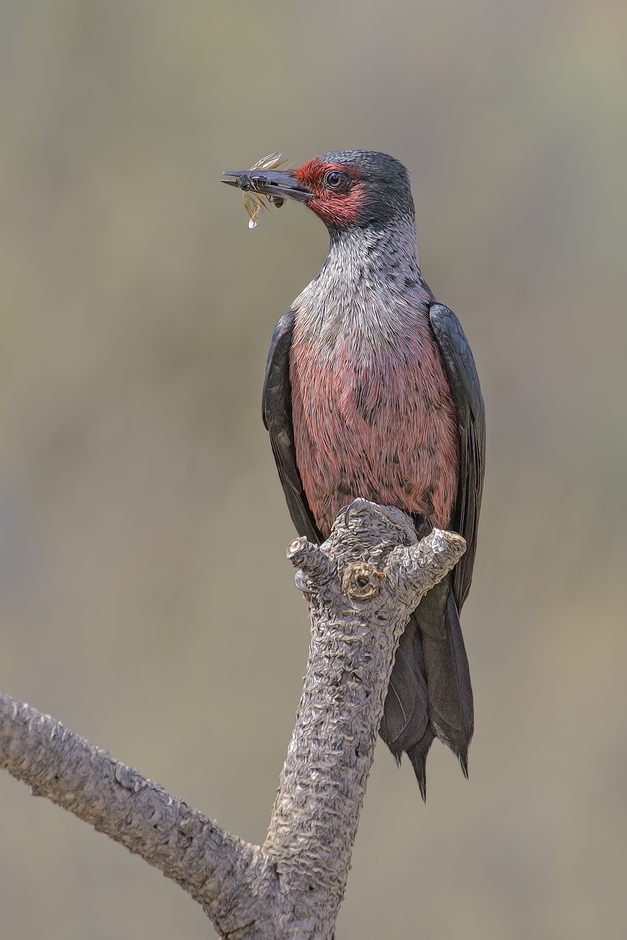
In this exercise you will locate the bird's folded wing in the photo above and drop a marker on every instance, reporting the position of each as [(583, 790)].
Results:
[(468, 401), (277, 417)]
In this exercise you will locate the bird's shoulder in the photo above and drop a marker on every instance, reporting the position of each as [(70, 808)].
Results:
[(458, 359), (276, 379)]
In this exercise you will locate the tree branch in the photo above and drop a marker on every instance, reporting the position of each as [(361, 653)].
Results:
[(56, 763), (362, 585)]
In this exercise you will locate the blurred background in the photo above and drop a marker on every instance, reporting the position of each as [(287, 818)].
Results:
[(136, 312)]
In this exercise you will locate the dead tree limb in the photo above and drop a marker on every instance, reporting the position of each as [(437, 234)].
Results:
[(362, 586)]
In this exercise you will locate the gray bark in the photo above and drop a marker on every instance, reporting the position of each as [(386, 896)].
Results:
[(362, 585)]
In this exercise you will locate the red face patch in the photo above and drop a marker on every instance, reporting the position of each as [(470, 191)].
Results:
[(337, 209)]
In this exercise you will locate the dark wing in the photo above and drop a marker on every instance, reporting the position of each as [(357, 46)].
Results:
[(277, 417), (466, 392)]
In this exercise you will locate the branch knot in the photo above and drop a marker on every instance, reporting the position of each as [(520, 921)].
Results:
[(361, 581)]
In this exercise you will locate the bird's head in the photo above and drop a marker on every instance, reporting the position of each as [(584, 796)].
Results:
[(346, 189)]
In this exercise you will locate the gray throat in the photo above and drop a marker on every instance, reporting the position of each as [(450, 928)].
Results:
[(369, 284)]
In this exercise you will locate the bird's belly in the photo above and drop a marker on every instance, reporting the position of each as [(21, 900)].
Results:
[(380, 425)]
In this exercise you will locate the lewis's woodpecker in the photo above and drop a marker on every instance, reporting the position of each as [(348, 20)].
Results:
[(371, 390)]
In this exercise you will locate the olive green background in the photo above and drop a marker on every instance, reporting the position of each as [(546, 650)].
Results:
[(145, 599)]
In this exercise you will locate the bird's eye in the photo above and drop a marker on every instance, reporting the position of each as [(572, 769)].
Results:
[(336, 180)]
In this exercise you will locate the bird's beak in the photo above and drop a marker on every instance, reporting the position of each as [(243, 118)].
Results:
[(275, 184)]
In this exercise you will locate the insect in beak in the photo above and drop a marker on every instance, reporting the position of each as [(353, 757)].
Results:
[(256, 203), (262, 186)]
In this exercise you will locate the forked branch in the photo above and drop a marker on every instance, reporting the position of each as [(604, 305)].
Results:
[(362, 585)]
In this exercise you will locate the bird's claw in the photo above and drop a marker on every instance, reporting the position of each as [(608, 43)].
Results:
[(302, 582)]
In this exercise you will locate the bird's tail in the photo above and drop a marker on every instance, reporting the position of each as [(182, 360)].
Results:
[(430, 694)]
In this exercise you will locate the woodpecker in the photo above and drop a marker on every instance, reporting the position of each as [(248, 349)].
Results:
[(371, 391)]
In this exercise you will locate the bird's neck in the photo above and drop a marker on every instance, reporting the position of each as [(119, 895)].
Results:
[(367, 274)]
